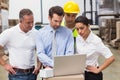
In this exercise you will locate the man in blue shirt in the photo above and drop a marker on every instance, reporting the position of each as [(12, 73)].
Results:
[(64, 42)]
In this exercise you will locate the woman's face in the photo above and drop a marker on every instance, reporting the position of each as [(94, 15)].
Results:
[(83, 30)]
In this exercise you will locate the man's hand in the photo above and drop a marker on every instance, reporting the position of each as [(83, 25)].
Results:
[(36, 71), (9, 68)]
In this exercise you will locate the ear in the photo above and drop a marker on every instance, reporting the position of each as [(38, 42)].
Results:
[(88, 25), (49, 18), (20, 21)]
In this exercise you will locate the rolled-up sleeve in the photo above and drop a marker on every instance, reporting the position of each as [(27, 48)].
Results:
[(41, 52)]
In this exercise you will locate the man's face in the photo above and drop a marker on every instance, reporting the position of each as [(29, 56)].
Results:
[(27, 23), (70, 18), (55, 21)]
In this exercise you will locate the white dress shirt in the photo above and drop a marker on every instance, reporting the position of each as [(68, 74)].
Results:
[(93, 47)]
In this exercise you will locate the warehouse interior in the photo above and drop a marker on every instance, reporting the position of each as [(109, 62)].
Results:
[(104, 17)]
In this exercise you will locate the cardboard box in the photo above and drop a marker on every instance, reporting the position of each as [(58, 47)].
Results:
[(46, 73), (70, 77), (13, 22)]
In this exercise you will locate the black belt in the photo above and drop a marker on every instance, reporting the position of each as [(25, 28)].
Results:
[(24, 70)]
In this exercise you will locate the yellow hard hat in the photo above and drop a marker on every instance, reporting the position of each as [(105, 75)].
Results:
[(71, 7)]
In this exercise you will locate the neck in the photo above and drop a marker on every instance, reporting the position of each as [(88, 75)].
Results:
[(22, 28), (87, 34)]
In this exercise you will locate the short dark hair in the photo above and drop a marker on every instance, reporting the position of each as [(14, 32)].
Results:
[(56, 10), (82, 19), (25, 12)]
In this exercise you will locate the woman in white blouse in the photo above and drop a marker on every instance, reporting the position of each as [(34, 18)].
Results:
[(90, 44)]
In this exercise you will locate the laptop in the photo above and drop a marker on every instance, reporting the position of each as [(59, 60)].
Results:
[(69, 65)]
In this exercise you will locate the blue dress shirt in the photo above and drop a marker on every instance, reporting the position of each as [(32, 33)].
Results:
[(64, 44)]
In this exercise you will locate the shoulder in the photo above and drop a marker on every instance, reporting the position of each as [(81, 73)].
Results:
[(95, 39), (44, 31), (9, 30), (65, 29), (45, 28), (7, 34)]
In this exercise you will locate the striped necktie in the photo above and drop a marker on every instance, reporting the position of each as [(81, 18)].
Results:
[(54, 44)]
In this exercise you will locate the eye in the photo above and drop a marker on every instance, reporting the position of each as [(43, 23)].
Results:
[(68, 15), (80, 28), (77, 29), (55, 21)]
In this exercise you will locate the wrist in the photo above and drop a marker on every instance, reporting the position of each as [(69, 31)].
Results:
[(3, 63), (99, 70)]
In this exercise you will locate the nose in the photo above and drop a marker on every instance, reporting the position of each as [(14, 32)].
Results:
[(31, 24), (79, 31), (58, 23), (70, 18)]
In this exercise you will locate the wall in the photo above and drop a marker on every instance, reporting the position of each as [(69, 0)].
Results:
[(48, 3), (41, 7), (16, 5)]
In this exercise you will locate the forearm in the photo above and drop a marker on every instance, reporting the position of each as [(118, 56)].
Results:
[(38, 67), (106, 63), (45, 60), (2, 61), (39, 64)]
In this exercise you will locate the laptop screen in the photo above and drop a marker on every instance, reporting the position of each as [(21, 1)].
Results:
[(69, 65)]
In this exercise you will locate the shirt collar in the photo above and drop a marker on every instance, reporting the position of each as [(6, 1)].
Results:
[(23, 31), (89, 38), (51, 29)]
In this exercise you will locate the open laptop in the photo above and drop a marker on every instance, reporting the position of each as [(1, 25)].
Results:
[(70, 64)]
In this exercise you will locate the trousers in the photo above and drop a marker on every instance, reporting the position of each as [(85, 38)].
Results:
[(21, 75), (93, 76)]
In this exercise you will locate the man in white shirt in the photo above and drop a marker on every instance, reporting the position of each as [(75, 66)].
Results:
[(20, 42)]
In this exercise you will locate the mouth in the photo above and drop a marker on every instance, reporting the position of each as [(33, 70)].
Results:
[(81, 34), (70, 22), (55, 27)]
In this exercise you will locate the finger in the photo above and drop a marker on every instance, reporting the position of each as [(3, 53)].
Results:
[(14, 67), (34, 71), (12, 71), (89, 66)]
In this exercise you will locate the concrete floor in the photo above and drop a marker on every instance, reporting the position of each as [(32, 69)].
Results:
[(111, 73)]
